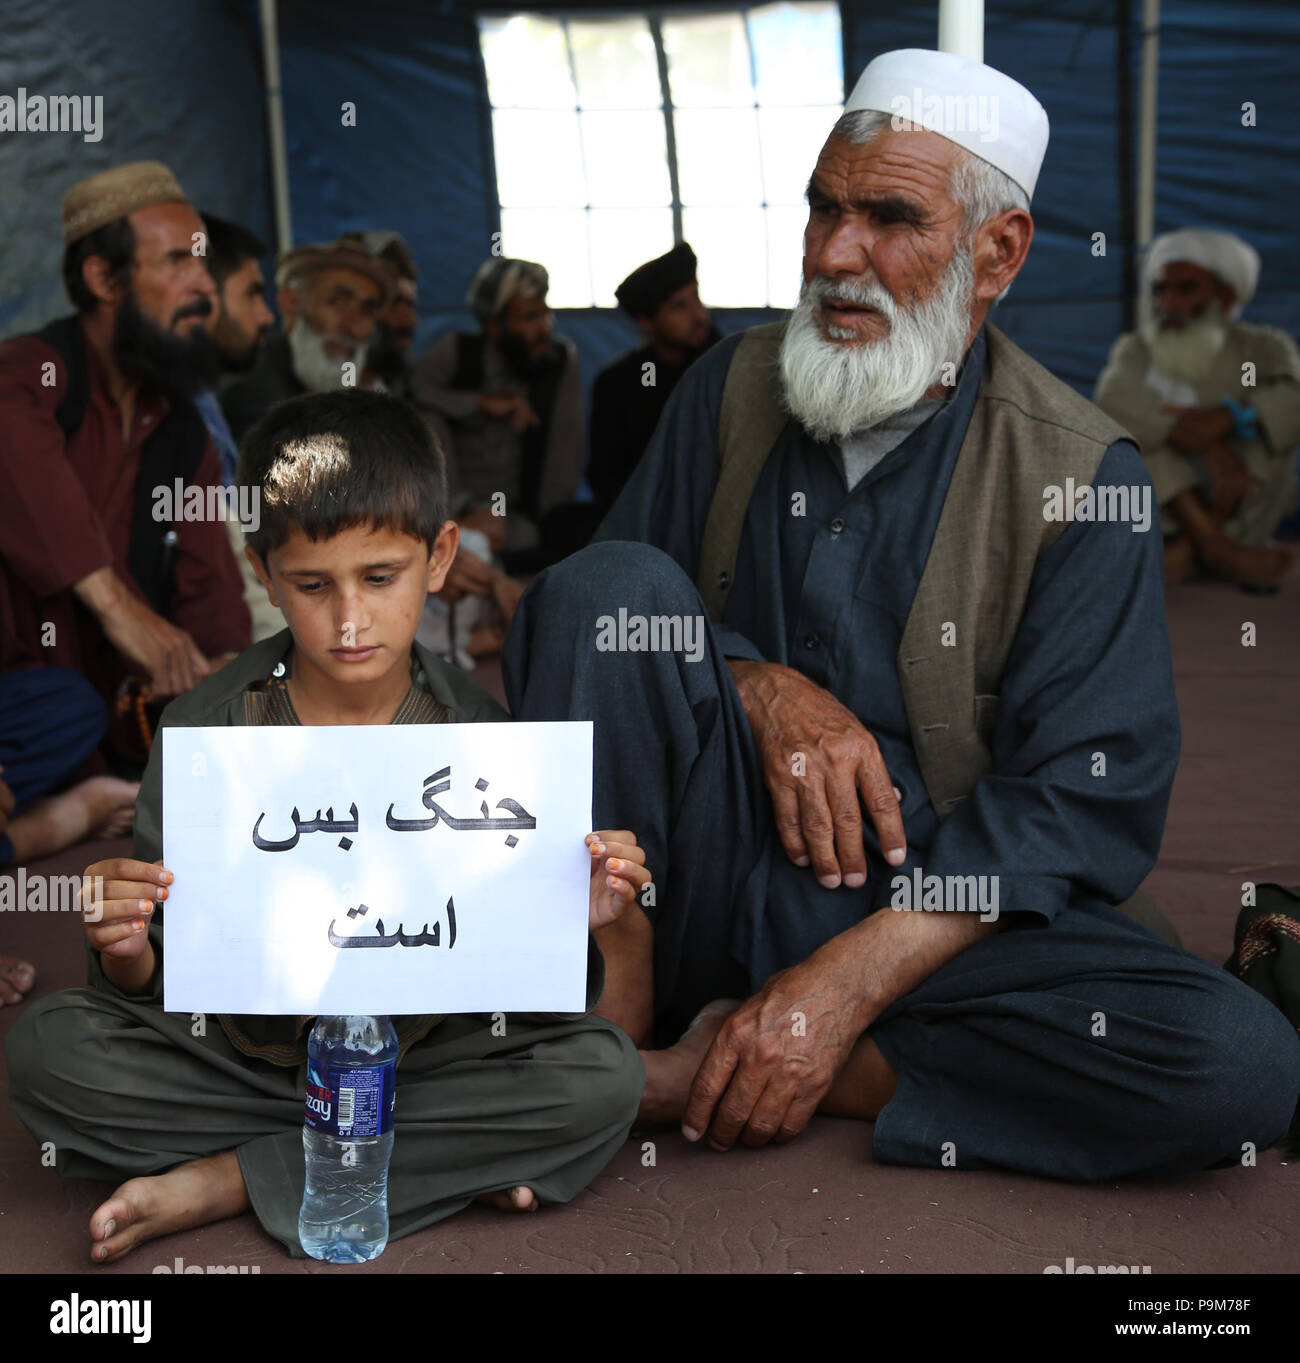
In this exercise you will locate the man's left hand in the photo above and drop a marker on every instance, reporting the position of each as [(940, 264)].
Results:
[(778, 1054)]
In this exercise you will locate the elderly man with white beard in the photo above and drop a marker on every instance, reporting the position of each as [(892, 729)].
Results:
[(898, 805), (1215, 405), (330, 296)]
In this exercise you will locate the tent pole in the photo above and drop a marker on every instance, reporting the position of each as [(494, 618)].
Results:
[(961, 28), (275, 126), (1146, 171)]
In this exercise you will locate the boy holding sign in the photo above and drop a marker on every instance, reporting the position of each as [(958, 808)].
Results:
[(204, 1114)]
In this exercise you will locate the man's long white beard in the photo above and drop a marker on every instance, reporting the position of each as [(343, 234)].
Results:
[(837, 387), (1188, 354), (319, 372)]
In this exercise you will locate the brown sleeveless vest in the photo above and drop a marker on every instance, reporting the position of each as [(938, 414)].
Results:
[(1027, 430)]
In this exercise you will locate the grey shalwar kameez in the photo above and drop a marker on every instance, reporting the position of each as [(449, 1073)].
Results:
[(998, 1053), (123, 1088)]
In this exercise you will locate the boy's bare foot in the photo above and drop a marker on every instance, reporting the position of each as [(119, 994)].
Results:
[(515, 1200), (101, 806), (669, 1074), (16, 978), (193, 1194)]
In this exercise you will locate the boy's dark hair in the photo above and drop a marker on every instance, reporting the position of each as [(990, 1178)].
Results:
[(229, 245), (115, 241), (328, 461)]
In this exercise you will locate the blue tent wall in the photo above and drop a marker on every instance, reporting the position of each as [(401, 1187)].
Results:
[(183, 83), (180, 83)]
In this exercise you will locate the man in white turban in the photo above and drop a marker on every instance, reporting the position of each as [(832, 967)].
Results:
[(913, 664), (1215, 404)]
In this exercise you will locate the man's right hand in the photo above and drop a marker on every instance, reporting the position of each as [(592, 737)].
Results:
[(169, 657), (819, 814)]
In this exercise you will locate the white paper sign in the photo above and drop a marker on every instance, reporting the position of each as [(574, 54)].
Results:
[(385, 869)]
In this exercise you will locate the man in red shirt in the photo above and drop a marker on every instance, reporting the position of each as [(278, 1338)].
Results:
[(102, 578)]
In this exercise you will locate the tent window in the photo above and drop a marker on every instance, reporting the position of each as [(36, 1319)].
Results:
[(615, 137)]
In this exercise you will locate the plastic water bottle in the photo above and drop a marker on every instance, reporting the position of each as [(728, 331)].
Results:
[(347, 1138)]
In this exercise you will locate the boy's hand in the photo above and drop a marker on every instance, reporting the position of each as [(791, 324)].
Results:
[(618, 875), (117, 901)]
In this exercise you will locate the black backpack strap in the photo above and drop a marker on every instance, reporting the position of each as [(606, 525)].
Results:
[(65, 337), (173, 451)]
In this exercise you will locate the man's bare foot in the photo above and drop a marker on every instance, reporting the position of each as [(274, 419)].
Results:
[(1180, 561), (515, 1200), (16, 978), (1241, 564), (193, 1194), (669, 1074), (101, 806)]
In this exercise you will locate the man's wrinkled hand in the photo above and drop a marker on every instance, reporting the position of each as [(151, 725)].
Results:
[(776, 1056), (819, 812), (167, 654)]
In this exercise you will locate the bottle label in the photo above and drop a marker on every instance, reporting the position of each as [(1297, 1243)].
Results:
[(350, 1104)]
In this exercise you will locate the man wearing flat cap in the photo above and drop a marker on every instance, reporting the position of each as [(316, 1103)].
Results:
[(330, 297), (663, 298), (1215, 403), (904, 786), (506, 403), (102, 577)]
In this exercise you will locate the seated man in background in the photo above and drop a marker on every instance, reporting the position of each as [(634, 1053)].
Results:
[(238, 325), (96, 420), (506, 404), (330, 297), (663, 297), (1215, 404), (95, 589)]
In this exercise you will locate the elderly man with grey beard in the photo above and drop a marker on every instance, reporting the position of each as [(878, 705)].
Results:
[(1215, 404), (900, 807)]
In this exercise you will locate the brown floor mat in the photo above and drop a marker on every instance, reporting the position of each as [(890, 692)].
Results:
[(821, 1204)]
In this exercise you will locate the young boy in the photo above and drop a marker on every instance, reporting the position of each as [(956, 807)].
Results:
[(204, 1116)]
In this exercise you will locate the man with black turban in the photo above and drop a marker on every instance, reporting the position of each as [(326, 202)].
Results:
[(664, 299)]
